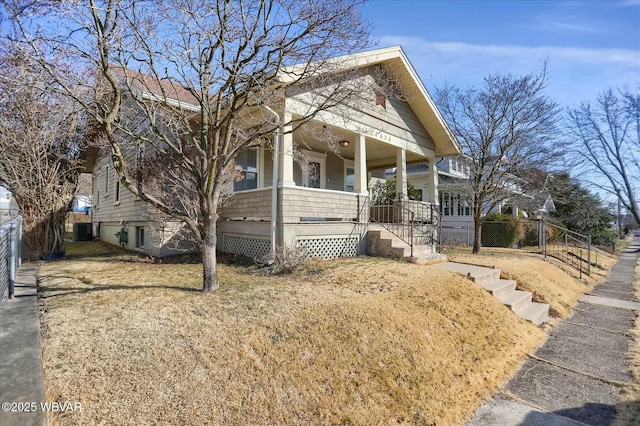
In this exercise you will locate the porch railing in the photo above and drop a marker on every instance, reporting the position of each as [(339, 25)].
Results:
[(414, 222)]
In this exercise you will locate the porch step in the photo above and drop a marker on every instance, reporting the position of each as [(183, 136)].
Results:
[(383, 243), (520, 302)]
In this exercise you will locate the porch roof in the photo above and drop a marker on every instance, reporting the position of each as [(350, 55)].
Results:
[(422, 104)]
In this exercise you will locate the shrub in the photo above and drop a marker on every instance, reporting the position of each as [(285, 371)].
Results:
[(499, 230), (285, 260), (383, 193)]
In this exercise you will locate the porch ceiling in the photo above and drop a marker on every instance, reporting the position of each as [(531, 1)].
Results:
[(379, 154)]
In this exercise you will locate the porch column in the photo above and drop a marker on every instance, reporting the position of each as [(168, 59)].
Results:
[(360, 166), (401, 174), (285, 175), (432, 180)]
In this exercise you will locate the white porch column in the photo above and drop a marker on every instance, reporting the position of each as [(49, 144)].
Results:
[(285, 175), (432, 194), (360, 166), (401, 174)]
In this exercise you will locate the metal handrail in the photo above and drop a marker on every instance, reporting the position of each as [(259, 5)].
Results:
[(411, 221)]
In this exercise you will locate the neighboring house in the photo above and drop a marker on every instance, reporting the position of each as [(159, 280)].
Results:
[(81, 204), (455, 198), (8, 207), (326, 209)]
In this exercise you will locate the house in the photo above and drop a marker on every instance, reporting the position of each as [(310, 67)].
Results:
[(455, 199), (8, 206), (324, 206)]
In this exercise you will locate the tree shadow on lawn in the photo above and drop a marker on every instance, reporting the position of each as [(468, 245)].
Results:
[(54, 290)]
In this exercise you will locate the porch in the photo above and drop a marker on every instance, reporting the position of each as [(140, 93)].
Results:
[(328, 223)]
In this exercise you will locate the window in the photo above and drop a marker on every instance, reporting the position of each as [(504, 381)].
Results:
[(315, 175), (247, 165), (445, 204), (140, 157), (139, 236), (106, 181), (464, 209), (349, 176), (116, 189)]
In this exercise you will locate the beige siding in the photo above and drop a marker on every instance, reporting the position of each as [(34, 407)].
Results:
[(107, 209), (297, 204), (254, 204)]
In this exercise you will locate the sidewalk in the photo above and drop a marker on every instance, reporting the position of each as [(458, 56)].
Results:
[(21, 379), (575, 377)]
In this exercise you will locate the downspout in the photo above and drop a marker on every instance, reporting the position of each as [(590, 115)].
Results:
[(274, 187)]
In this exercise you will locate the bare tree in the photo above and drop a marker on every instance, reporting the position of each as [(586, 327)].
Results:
[(507, 125), (605, 137), (197, 80), (40, 134)]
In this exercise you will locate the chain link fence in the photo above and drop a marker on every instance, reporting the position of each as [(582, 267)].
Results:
[(10, 256), (535, 236)]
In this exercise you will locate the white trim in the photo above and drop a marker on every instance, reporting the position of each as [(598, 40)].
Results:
[(321, 159), (326, 191)]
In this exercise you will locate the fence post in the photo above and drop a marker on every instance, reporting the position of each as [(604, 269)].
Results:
[(11, 259), (580, 264), (589, 255)]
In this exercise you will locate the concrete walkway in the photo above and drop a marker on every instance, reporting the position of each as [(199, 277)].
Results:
[(21, 379), (576, 376)]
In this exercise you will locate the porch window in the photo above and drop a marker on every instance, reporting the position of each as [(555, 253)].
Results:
[(247, 164)]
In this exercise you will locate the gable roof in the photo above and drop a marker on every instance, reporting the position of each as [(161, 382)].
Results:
[(422, 104), (164, 90)]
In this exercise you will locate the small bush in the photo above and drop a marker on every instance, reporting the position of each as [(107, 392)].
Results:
[(285, 260)]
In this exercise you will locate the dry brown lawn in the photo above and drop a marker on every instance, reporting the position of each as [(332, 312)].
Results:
[(548, 279), (360, 341)]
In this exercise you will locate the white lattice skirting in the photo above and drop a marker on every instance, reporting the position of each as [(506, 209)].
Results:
[(247, 246), (331, 247)]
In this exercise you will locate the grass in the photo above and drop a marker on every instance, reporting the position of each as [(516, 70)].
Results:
[(360, 341), (550, 280)]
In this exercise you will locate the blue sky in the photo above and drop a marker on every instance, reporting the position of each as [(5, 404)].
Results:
[(591, 44)]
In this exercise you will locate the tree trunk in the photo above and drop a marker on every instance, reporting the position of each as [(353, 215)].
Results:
[(209, 261), (477, 232)]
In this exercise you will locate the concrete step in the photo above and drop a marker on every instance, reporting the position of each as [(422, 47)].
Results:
[(479, 274), (537, 313), (388, 245), (520, 302), (516, 300), (500, 287), (429, 258)]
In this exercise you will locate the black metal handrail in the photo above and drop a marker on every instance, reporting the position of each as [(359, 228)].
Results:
[(413, 222)]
